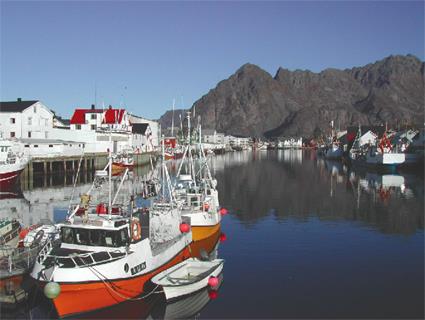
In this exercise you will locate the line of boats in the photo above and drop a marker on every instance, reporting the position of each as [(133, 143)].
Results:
[(110, 250), (389, 151)]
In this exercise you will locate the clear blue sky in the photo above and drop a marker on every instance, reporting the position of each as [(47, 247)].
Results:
[(144, 54)]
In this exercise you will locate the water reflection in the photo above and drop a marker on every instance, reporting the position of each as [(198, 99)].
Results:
[(284, 185)]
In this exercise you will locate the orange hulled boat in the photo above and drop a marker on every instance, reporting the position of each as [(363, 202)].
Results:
[(107, 253)]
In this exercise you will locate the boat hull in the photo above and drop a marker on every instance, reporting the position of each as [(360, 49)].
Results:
[(174, 292), (8, 179), (200, 233), (77, 298)]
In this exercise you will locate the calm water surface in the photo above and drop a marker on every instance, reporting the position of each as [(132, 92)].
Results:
[(305, 238)]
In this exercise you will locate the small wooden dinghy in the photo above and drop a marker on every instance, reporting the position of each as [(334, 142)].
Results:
[(187, 277)]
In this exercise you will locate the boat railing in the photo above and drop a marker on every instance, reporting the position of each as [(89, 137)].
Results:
[(77, 260), (17, 258), (8, 237)]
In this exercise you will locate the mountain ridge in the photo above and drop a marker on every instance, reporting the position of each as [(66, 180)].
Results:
[(252, 102)]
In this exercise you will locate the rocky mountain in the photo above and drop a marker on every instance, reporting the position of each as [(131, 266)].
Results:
[(166, 120), (253, 103)]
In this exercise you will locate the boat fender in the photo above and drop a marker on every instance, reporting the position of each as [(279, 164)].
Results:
[(136, 230), (184, 227), (213, 281), (52, 290)]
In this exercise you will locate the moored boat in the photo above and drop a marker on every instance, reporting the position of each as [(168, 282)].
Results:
[(108, 252), (187, 277), (12, 163)]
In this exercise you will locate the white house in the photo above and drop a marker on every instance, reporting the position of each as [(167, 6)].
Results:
[(154, 138), (212, 136), (25, 119)]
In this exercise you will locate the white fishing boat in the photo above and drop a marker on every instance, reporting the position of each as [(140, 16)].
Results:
[(187, 277), (108, 251), (196, 191), (12, 162)]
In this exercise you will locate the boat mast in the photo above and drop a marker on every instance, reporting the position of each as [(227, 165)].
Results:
[(172, 120), (110, 172)]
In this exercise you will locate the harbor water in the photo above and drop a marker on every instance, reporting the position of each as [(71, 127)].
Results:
[(304, 238)]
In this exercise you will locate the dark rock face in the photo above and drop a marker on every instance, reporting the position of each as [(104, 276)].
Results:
[(253, 103), (166, 120)]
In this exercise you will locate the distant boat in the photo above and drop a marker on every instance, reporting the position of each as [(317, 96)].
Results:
[(12, 163), (333, 152), (187, 277)]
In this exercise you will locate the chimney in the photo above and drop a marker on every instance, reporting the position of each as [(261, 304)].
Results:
[(19, 99), (92, 106)]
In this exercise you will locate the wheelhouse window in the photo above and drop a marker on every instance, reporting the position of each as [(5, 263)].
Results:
[(95, 237)]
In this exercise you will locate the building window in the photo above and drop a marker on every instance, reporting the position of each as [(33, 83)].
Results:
[(50, 145), (93, 127), (35, 109), (12, 134), (29, 134), (93, 116), (29, 121), (36, 146), (27, 146), (12, 120), (78, 126)]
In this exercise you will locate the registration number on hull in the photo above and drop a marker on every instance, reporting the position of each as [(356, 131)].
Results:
[(138, 268)]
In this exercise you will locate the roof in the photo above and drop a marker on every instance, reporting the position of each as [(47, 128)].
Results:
[(64, 121), (139, 128), (48, 141), (379, 130), (113, 116), (16, 106), (79, 116)]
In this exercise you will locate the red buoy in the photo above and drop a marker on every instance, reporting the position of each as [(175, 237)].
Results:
[(184, 227), (223, 211), (223, 237), (213, 294), (213, 281)]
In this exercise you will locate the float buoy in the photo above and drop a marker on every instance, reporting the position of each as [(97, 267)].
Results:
[(52, 290), (184, 227), (223, 211), (223, 237), (213, 281)]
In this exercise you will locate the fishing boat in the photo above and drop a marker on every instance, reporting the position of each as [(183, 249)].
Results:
[(196, 191), (12, 162), (187, 277), (382, 155), (122, 161), (107, 252)]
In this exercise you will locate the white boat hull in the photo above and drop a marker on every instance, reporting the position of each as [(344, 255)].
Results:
[(173, 290)]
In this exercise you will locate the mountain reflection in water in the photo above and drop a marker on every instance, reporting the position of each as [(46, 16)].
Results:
[(294, 183)]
